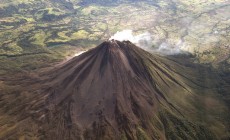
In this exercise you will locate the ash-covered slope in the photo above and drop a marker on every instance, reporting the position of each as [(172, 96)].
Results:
[(119, 91)]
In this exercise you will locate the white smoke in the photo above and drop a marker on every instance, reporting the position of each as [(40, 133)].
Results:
[(124, 35), (145, 41), (170, 49)]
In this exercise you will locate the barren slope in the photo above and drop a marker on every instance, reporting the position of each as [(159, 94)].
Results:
[(117, 91)]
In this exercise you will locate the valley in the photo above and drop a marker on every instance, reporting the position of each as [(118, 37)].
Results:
[(53, 28)]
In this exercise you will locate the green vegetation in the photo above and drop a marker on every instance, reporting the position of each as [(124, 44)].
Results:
[(81, 34), (39, 39), (141, 135), (123, 137), (11, 49), (33, 61), (30, 28), (179, 128), (201, 26)]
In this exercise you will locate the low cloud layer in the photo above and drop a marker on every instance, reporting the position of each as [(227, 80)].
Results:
[(171, 49), (145, 41)]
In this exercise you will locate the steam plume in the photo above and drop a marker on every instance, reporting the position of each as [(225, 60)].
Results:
[(145, 41), (142, 40)]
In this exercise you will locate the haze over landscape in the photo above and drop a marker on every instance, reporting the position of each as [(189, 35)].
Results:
[(118, 70)]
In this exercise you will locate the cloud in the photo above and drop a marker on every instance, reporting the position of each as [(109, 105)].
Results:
[(170, 49), (145, 41), (123, 36)]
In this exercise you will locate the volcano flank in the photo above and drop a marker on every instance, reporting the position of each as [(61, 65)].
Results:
[(119, 91)]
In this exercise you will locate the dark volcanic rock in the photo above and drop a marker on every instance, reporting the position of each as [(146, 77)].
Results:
[(117, 91)]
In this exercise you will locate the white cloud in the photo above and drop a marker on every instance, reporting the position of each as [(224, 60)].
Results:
[(145, 41)]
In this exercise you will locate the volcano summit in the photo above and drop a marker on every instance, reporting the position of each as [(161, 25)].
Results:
[(119, 91)]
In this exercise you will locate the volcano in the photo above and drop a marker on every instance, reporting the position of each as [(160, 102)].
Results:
[(118, 91)]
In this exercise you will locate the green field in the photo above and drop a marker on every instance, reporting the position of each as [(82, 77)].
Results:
[(38, 27)]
